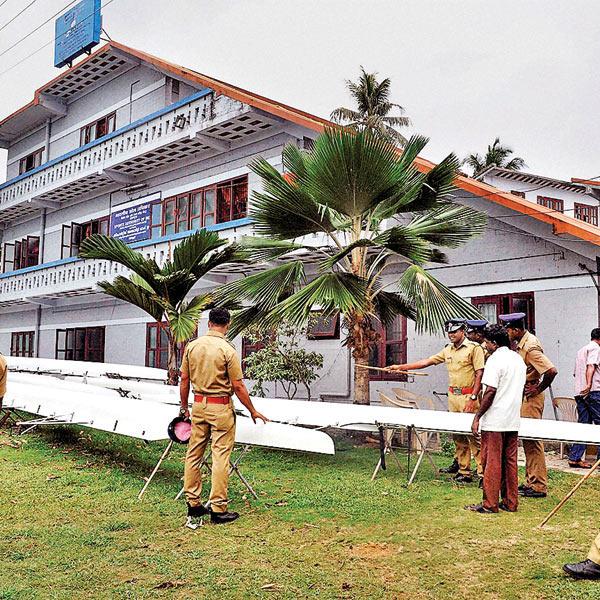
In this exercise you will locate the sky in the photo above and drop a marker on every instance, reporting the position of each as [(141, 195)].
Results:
[(466, 71)]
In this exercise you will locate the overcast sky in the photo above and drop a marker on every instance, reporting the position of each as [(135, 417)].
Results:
[(465, 71)]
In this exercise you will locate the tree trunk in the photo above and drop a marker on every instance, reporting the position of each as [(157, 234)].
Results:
[(361, 376), (173, 371)]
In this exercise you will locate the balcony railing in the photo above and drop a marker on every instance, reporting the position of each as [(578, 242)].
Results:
[(199, 124), (75, 276)]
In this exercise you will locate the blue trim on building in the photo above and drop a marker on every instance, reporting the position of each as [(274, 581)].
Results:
[(165, 238), (108, 136)]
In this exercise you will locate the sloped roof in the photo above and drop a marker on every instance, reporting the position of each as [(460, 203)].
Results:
[(561, 223)]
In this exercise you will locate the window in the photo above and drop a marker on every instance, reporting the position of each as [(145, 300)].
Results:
[(21, 254), (517, 193), (31, 161), (97, 129), (75, 233), (389, 350), (587, 213), (80, 343), (21, 343), (552, 203), (157, 346), (323, 327), (200, 208), (492, 306)]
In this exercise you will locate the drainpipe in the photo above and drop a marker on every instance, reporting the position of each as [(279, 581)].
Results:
[(47, 141), (42, 235), (36, 331)]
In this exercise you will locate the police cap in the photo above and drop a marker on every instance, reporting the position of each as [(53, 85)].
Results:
[(452, 325), (476, 324), (514, 320)]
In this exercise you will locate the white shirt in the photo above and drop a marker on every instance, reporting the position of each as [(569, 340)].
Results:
[(588, 355), (504, 370)]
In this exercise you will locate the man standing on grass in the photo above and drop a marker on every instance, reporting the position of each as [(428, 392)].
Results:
[(464, 361), (498, 417), (213, 367), (538, 366), (587, 394), (3, 376)]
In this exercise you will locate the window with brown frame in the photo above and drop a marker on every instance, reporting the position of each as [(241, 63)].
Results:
[(21, 254), (200, 208), (73, 234), (323, 327), (492, 306), (97, 129), (587, 213), (389, 350), (21, 343), (552, 203), (517, 193), (157, 346), (80, 343), (31, 161)]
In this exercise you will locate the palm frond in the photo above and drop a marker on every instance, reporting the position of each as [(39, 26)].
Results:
[(108, 248), (184, 321), (438, 185), (194, 249), (126, 290), (401, 240), (434, 302), (388, 305), (341, 115), (258, 249), (244, 318)]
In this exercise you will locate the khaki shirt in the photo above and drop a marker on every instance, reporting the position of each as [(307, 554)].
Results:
[(531, 351), (3, 375), (212, 365), (486, 354), (461, 362)]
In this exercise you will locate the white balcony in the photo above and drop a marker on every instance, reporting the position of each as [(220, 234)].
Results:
[(47, 283), (199, 126)]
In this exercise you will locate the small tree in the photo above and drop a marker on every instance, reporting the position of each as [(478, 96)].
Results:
[(496, 155), (281, 360)]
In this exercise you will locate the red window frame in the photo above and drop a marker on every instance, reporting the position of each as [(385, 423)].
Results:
[(552, 203), (25, 253), (80, 343), (586, 213), (380, 354), (157, 346), (31, 161), (323, 327), (72, 235), (509, 303), (97, 129), (21, 343), (200, 208)]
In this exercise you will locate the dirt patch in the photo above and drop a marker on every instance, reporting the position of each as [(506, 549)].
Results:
[(372, 550)]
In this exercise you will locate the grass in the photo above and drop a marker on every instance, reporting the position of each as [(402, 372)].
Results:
[(71, 527)]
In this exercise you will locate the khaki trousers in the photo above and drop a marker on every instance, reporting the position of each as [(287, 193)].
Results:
[(536, 475), (594, 554), (214, 422), (465, 444)]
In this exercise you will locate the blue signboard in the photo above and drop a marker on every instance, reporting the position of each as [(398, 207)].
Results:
[(77, 31), (131, 224)]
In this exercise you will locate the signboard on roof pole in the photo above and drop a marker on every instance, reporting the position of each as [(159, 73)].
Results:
[(77, 31)]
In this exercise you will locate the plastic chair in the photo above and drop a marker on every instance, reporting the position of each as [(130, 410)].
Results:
[(565, 410)]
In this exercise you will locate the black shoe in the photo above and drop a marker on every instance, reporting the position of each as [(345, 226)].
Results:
[(480, 508), (529, 493), (505, 508), (460, 478), (453, 468), (220, 518), (522, 487), (197, 511), (586, 569)]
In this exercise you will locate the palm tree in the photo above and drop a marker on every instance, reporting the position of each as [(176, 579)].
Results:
[(346, 191), (497, 155), (162, 291), (373, 108)]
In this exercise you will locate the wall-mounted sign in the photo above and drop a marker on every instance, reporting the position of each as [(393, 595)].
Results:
[(131, 224), (77, 31)]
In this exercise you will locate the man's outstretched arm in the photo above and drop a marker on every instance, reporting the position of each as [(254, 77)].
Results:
[(241, 391)]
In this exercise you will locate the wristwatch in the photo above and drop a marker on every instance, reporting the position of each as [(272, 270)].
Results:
[(472, 397)]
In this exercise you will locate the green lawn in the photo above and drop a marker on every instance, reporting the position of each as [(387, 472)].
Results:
[(71, 527)]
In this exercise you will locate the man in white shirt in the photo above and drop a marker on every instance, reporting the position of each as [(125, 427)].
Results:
[(499, 419), (587, 394)]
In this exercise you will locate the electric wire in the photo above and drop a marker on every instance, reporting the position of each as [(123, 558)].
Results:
[(46, 44), (3, 3), (17, 15)]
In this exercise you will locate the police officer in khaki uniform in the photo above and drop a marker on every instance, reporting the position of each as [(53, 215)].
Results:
[(475, 329), (3, 376), (464, 361), (538, 365), (587, 569), (212, 367)]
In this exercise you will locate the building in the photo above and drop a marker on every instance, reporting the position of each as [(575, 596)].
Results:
[(126, 142)]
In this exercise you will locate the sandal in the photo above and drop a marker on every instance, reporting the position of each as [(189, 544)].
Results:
[(480, 508)]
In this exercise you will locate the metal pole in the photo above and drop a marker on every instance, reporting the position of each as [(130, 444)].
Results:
[(164, 455)]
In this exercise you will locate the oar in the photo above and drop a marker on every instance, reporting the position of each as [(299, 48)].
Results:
[(575, 488), (388, 371)]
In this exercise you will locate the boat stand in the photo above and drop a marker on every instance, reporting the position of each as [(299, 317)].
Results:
[(51, 420), (234, 467)]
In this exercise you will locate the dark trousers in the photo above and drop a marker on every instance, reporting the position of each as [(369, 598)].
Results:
[(588, 411), (500, 475)]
